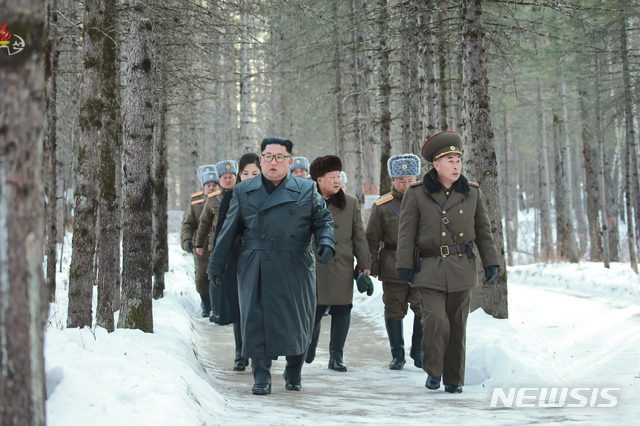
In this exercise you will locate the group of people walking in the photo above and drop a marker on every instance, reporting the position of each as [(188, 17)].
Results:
[(274, 254)]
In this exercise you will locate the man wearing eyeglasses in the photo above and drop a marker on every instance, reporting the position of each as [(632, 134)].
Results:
[(276, 215)]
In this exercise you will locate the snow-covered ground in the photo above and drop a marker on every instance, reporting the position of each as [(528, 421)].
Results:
[(570, 326)]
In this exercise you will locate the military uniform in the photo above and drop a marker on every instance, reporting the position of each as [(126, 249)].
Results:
[(447, 271)]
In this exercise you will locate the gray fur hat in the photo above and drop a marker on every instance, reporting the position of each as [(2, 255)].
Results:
[(206, 169), (343, 177), (403, 165), (207, 177), (300, 163), (226, 166)]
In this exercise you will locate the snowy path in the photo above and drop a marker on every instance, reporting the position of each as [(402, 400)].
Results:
[(602, 354)]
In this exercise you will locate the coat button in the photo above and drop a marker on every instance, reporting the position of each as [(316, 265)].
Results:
[(335, 225), (444, 234), (262, 235), (261, 211), (448, 193), (292, 211), (462, 234), (444, 212), (461, 211)]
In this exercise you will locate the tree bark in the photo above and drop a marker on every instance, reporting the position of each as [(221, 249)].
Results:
[(385, 97), (23, 295), (109, 264), (482, 159), (546, 237), (429, 70), (510, 213), (629, 146), (354, 161), (137, 268), (51, 152), (405, 76), (337, 69), (602, 203), (81, 275), (568, 182)]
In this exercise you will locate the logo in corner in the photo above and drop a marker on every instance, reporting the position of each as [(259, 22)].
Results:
[(12, 42)]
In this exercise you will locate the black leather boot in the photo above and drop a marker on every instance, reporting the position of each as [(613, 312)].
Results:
[(240, 363), (433, 382), (293, 372), (396, 340), (261, 376), (416, 342), (205, 304), (311, 351), (339, 330)]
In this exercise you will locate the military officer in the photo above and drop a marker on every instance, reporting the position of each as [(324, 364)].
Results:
[(335, 279), (382, 236), (442, 218), (300, 167), (209, 179), (226, 171)]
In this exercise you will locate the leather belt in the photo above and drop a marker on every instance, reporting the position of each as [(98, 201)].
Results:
[(275, 245), (445, 251), (389, 246)]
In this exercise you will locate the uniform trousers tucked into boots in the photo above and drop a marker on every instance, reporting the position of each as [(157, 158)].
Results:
[(397, 298), (202, 282), (340, 321), (444, 324)]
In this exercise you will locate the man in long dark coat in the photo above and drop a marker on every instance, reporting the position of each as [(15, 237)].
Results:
[(276, 214)]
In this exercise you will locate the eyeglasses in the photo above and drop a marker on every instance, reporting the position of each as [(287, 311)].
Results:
[(279, 158)]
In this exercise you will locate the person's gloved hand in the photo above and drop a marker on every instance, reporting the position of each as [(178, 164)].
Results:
[(217, 281), (405, 274), (190, 247), (215, 274), (364, 284), (325, 253), (490, 272)]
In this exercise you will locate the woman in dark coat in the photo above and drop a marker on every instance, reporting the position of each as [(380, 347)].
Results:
[(249, 167)]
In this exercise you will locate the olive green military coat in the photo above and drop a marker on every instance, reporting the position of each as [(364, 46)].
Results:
[(335, 279), (190, 222), (421, 225), (207, 221), (383, 228)]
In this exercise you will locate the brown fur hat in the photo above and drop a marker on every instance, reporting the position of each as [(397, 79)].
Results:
[(323, 165)]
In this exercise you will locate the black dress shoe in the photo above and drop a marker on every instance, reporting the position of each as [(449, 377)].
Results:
[(337, 365), (453, 388), (214, 319), (240, 364), (396, 364), (433, 382), (292, 385), (261, 389)]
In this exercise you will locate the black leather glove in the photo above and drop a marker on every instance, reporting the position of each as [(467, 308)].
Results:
[(325, 253), (490, 272), (405, 275), (190, 247), (364, 284), (215, 274)]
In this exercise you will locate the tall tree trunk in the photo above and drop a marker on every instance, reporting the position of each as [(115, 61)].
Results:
[(602, 203), (546, 238), (629, 147), (23, 295), (51, 151), (109, 264), (86, 192), (479, 138), (385, 97), (568, 181), (405, 76), (355, 159), (510, 214), (160, 225), (414, 85), (245, 90), (337, 69), (442, 50), (589, 155), (429, 70), (136, 311), (560, 194)]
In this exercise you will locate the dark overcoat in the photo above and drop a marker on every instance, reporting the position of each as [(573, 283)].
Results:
[(276, 267), (421, 225)]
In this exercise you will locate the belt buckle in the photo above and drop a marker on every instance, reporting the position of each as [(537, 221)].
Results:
[(444, 251)]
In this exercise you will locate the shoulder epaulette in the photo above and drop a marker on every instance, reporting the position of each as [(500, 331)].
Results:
[(213, 194), (193, 203), (474, 184), (197, 194), (416, 183), (384, 199)]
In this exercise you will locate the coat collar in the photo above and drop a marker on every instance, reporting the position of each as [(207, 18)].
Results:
[(286, 191), (338, 199), (432, 185)]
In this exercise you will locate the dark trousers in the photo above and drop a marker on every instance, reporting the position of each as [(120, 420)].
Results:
[(444, 326)]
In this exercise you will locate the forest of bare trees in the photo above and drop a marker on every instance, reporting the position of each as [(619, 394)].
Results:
[(139, 94)]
